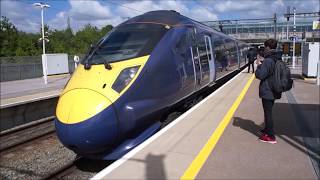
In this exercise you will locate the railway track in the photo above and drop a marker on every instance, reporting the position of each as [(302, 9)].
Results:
[(26, 134), (32, 151)]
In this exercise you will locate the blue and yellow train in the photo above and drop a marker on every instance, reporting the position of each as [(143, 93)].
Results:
[(134, 75)]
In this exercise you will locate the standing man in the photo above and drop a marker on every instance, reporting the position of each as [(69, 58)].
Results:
[(264, 73), (224, 60), (252, 56)]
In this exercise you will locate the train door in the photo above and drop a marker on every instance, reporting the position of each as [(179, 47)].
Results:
[(195, 58), (210, 57)]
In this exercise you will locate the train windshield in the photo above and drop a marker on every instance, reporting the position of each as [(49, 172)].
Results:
[(127, 42)]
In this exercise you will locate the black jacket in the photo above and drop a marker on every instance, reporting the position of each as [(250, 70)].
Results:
[(252, 55), (264, 72)]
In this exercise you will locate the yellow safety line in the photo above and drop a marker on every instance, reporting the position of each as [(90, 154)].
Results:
[(201, 158), (309, 79)]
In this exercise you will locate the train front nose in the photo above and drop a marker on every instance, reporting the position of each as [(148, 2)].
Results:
[(86, 121)]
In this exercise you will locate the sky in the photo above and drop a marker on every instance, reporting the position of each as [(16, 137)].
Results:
[(100, 13)]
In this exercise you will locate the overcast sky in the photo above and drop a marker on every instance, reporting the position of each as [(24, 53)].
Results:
[(26, 17)]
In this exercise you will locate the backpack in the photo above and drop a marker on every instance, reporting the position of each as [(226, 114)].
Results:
[(281, 80)]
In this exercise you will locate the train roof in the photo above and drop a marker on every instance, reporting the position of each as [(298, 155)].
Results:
[(168, 17), (171, 18)]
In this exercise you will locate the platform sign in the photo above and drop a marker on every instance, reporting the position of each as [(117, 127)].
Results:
[(316, 25), (57, 64)]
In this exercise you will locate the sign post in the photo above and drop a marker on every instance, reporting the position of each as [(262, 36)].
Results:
[(294, 39), (44, 68)]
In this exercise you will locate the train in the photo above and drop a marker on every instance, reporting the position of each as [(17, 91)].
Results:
[(117, 96)]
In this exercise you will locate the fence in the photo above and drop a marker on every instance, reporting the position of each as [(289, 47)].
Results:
[(18, 68)]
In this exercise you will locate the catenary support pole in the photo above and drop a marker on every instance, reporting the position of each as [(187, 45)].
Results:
[(294, 39)]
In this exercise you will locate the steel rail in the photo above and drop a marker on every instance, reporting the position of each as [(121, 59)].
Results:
[(25, 128)]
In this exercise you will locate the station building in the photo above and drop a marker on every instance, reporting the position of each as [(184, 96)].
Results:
[(256, 32)]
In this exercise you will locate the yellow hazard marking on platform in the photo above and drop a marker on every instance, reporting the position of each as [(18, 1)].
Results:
[(203, 155), (309, 79)]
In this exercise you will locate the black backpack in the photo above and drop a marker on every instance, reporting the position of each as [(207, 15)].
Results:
[(281, 79)]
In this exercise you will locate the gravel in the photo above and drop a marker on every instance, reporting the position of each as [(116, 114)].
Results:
[(35, 160)]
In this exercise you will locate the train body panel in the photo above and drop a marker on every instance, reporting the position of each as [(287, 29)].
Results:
[(134, 76), (91, 136)]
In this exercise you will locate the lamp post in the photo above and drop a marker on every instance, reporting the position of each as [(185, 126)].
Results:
[(44, 58)]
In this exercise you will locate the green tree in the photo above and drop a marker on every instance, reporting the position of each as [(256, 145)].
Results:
[(84, 38), (105, 30), (8, 37), (18, 43), (26, 45)]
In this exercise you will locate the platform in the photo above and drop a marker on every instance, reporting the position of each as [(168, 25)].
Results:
[(29, 90), (217, 138)]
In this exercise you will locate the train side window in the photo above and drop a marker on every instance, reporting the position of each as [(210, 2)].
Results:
[(218, 48), (182, 45), (231, 52), (191, 37)]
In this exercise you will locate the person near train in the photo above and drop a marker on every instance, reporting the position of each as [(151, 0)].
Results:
[(264, 73), (252, 56)]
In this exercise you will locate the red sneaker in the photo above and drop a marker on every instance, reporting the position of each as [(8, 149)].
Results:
[(268, 139)]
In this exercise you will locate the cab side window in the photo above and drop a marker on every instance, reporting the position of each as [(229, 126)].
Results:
[(182, 45), (231, 50), (219, 50)]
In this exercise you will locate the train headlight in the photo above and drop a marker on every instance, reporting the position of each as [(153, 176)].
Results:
[(125, 78)]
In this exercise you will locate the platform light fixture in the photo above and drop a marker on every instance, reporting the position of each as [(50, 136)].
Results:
[(44, 58)]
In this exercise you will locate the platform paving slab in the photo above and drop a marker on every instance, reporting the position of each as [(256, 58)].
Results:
[(239, 155)]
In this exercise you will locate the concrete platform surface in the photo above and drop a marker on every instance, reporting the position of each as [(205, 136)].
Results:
[(15, 92), (239, 154)]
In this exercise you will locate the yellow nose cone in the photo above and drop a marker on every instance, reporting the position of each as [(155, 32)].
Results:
[(79, 105)]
